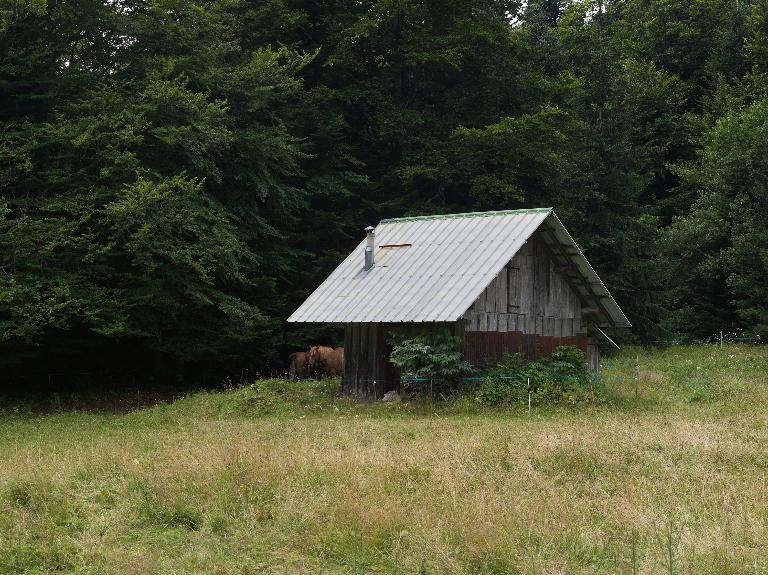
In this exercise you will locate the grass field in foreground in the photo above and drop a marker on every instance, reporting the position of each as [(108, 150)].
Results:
[(286, 478)]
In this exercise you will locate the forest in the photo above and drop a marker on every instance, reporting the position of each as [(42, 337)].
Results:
[(177, 175)]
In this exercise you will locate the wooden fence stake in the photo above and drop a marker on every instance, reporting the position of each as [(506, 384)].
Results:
[(637, 377), (529, 397), (430, 397)]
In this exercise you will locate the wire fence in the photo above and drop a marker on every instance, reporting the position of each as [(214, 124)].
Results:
[(719, 338)]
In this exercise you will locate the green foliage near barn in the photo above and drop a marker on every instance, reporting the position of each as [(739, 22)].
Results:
[(561, 378)]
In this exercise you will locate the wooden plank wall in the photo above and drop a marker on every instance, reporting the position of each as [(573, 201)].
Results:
[(593, 356), (486, 348), (364, 354), (528, 296), (367, 371), (529, 309)]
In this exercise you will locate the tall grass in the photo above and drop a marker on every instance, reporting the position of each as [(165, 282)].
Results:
[(283, 477)]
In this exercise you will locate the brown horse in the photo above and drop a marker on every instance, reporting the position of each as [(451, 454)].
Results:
[(299, 365), (338, 359), (326, 360)]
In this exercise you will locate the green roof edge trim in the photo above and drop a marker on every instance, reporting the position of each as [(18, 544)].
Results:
[(465, 215)]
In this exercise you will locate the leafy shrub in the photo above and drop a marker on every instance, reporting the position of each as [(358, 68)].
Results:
[(505, 382), (561, 378), (572, 357), (435, 356)]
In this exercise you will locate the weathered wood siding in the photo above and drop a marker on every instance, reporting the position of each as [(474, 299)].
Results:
[(593, 356), (530, 308), (530, 296), (366, 366), (486, 348)]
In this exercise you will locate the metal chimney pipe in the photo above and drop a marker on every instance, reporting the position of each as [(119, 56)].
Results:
[(370, 234)]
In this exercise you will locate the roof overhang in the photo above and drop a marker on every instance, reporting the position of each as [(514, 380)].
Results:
[(581, 275)]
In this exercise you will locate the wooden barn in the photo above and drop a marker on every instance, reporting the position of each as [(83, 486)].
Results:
[(507, 281)]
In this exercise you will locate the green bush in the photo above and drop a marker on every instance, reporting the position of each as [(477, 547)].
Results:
[(435, 356), (505, 382), (561, 378)]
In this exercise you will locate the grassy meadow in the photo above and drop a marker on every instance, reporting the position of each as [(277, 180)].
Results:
[(283, 478)]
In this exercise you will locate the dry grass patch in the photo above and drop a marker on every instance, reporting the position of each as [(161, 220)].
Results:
[(673, 486)]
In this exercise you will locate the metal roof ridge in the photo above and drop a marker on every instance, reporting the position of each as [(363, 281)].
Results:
[(467, 215)]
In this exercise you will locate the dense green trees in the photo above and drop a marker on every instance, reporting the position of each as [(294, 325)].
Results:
[(176, 175), (720, 249), (149, 171)]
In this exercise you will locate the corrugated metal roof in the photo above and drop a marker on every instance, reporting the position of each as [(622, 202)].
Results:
[(448, 263)]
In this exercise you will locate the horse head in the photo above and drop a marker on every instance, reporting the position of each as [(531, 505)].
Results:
[(313, 357)]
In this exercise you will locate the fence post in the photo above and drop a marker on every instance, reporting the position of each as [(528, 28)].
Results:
[(529, 397), (430, 397), (637, 377)]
